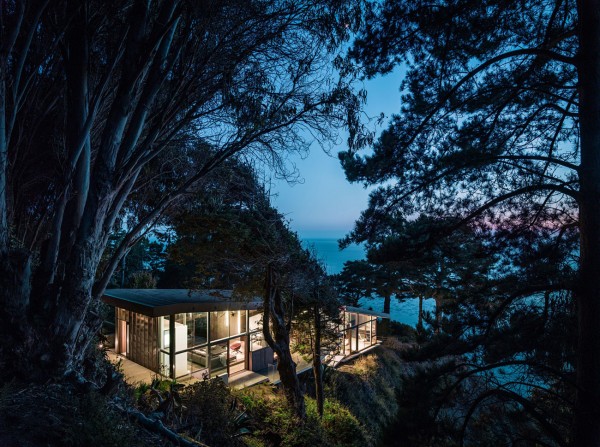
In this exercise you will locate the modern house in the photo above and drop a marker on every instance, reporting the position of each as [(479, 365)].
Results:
[(197, 334)]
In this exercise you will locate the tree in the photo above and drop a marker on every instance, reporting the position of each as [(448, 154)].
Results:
[(316, 324), (146, 257), (231, 237), (362, 279), (499, 126), (98, 100), (441, 268)]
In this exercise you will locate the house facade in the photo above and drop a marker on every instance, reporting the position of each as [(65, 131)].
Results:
[(185, 334)]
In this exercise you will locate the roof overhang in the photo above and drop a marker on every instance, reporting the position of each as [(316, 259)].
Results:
[(363, 311), (161, 302)]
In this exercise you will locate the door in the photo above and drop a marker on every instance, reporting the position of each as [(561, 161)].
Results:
[(123, 338), (238, 348)]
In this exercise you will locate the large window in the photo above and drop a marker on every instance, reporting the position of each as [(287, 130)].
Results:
[(197, 327), (206, 343), (257, 340), (359, 332), (218, 358)]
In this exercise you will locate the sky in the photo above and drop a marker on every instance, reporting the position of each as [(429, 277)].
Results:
[(325, 204)]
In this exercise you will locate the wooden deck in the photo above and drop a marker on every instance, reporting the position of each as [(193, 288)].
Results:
[(136, 374)]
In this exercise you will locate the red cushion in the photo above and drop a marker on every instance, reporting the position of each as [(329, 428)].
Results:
[(235, 346)]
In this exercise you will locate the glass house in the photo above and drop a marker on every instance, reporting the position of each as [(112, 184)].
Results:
[(182, 334), (185, 334), (359, 329)]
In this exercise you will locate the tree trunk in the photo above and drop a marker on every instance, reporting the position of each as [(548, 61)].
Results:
[(277, 336), (286, 367), (438, 313), (586, 427), (317, 365), (384, 327), (3, 162), (386, 303), (420, 316)]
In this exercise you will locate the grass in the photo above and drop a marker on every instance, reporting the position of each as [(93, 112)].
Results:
[(360, 403), (368, 386)]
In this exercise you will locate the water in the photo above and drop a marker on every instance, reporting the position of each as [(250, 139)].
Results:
[(327, 250), (405, 311)]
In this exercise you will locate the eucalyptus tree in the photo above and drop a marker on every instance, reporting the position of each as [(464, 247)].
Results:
[(499, 126), (93, 93)]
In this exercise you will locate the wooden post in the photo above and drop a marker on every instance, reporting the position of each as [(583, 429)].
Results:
[(172, 346)]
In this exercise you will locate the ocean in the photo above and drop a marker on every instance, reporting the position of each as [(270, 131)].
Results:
[(328, 252)]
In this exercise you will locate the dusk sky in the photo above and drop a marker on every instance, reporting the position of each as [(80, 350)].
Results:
[(326, 204)]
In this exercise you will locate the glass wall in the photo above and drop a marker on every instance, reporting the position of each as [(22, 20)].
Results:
[(237, 354), (359, 332), (225, 324), (218, 358), (257, 340), (163, 345), (207, 344)]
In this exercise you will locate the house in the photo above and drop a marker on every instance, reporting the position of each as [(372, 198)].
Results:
[(186, 334)]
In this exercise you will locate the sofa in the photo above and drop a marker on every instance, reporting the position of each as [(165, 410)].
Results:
[(217, 360)]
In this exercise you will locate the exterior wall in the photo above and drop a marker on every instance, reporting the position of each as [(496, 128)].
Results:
[(238, 341), (359, 332), (213, 343), (143, 338)]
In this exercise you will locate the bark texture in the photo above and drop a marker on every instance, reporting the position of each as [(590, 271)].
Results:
[(317, 364), (586, 430), (277, 334), (95, 97)]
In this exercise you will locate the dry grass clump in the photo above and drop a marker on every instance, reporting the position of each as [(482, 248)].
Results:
[(368, 385)]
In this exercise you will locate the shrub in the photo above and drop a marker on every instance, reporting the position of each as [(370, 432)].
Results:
[(403, 332), (93, 422), (367, 387), (274, 423), (340, 427), (58, 415), (212, 414)]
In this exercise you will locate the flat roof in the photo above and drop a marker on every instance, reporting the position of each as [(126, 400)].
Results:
[(363, 311), (161, 302)]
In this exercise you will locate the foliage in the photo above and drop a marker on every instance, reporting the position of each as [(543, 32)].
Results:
[(141, 280), (163, 399), (403, 332), (317, 296), (496, 135), (225, 237), (352, 282), (140, 265), (212, 413), (113, 112), (367, 386), (275, 424), (364, 279), (56, 415)]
